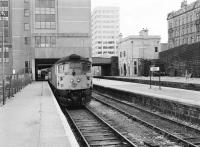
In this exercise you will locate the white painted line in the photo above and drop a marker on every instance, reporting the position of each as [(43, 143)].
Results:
[(68, 131)]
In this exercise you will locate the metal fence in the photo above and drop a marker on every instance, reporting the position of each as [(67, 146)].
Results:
[(13, 84)]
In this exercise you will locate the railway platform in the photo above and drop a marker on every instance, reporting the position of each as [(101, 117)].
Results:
[(175, 102), (175, 82), (33, 119), (188, 97)]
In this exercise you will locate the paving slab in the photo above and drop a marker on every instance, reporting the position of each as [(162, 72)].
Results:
[(33, 119), (188, 97)]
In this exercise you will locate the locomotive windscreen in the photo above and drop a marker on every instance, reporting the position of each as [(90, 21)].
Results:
[(75, 65), (86, 66)]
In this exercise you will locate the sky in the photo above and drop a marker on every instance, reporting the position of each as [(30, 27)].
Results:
[(138, 14)]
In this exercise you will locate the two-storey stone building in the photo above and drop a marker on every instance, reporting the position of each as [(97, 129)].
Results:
[(133, 49)]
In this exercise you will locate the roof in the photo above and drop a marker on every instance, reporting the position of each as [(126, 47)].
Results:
[(133, 37), (72, 57)]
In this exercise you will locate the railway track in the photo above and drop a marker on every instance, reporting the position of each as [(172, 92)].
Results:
[(93, 131), (176, 131)]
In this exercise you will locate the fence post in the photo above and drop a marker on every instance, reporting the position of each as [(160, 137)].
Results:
[(3, 92), (17, 83), (11, 87)]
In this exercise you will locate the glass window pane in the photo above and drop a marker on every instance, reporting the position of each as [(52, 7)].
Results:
[(42, 17), (37, 10), (53, 25), (52, 10), (42, 25), (48, 11), (26, 26), (53, 41), (43, 41), (48, 25), (26, 1), (47, 41), (37, 41), (37, 25), (42, 11), (52, 4), (26, 12), (37, 17)]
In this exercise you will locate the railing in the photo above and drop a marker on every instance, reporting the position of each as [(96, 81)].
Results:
[(13, 84)]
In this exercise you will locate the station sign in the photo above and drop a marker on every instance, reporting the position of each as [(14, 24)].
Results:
[(154, 68)]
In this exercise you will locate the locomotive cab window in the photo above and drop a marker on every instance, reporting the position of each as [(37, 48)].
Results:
[(66, 68), (61, 69), (75, 65)]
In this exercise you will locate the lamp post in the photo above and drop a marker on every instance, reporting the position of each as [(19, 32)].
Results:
[(3, 76), (132, 57)]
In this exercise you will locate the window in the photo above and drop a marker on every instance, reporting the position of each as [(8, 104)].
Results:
[(5, 60), (45, 17), (3, 3), (53, 41), (124, 53), (26, 26), (26, 1), (37, 41), (60, 68), (120, 54), (26, 12), (45, 41), (26, 40), (156, 49), (37, 25)]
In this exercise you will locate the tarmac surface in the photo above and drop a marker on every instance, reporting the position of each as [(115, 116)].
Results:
[(165, 78), (33, 119), (188, 97)]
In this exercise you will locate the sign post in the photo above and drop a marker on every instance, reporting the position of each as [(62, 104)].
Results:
[(150, 78), (159, 80), (152, 69)]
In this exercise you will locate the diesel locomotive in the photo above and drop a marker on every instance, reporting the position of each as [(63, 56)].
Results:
[(71, 80)]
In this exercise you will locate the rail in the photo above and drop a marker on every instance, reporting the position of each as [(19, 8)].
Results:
[(188, 139), (94, 131)]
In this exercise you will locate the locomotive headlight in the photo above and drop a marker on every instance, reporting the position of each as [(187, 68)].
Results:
[(79, 80), (72, 80)]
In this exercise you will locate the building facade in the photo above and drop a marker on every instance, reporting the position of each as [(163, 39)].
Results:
[(184, 24), (105, 31), (163, 47), (46, 30), (183, 56), (5, 37), (133, 49)]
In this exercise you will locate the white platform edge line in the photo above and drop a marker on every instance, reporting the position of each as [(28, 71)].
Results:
[(68, 131)]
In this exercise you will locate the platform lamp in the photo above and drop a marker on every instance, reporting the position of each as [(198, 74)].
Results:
[(2, 14)]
